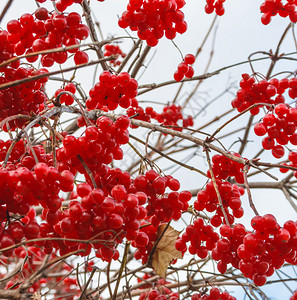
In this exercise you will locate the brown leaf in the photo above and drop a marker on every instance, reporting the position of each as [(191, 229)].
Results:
[(165, 251), (36, 296)]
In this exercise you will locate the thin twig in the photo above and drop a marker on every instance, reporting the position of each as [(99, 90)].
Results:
[(5, 9), (140, 61), (123, 264), (87, 11), (246, 184)]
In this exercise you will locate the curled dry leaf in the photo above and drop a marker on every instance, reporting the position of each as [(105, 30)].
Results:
[(36, 296), (165, 251)]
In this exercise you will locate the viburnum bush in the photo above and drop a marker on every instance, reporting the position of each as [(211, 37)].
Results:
[(109, 190)]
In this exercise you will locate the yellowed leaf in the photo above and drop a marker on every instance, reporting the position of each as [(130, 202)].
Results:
[(165, 251), (36, 296)]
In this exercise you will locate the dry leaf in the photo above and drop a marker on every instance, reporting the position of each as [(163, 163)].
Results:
[(165, 251), (36, 296)]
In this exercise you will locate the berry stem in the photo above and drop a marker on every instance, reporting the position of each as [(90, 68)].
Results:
[(90, 23), (123, 264), (248, 190)]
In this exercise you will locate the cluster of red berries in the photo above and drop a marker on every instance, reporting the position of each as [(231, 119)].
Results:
[(215, 6), (23, 99), (157, 283), (100, 145), (145, 240), (292, 162), (110, 49), (230, 196), (120, 90), (70, 288), (156, 289), (27, 35), (105, 218), (280, 127), (151, 19), (15, 231), (22, 156), (110, 213), (66, 98), (271, 8), (139, 113), (202, 239), (23, 187), (257, 254), (33, 257), (270, 92), (19, 187), (225, 250), (171, 115), (112, 91), (184, 69), (162, 207), (267, 248), (214, 294), (61, 5), (223, 167), (159, 293), (47, 31), (120, 212)]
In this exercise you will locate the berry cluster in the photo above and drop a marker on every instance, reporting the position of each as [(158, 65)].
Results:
[(145, 240), (223, 167), (184, 69), (292, 162), (230, 196), (105, 218), (156, 289), (162, 207), (32, 257), (111, 49), (151, 19), (271, 8), (26, 98), (171, 115), (112, 91), (280, 127), (24, 184), (264, 91), (225, 250), (202, 239), (214, 294), (267, 248), (47, 31), (61, 5), (64, 97), (24, 36), (159, 293), (100, 145), (215, 6), (137, 112), (15, 231), (257, 254), (120, 90)]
